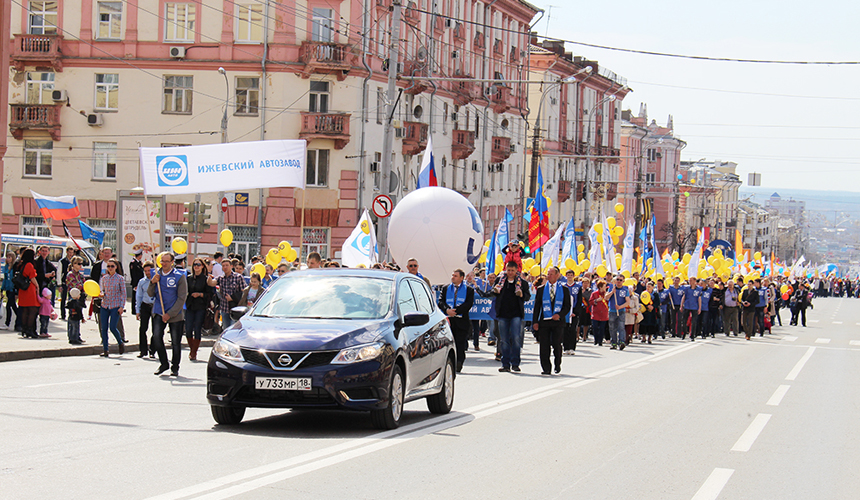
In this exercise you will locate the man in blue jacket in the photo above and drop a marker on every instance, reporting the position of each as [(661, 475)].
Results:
[(170, 290)]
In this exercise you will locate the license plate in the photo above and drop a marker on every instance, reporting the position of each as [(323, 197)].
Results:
[(282, 383)]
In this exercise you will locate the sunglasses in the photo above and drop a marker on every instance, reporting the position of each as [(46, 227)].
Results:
[(412, 265), (111, 267), (197, 264)]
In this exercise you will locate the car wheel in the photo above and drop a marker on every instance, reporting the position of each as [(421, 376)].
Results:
[(228, 415), (442, 402), (389, 417)]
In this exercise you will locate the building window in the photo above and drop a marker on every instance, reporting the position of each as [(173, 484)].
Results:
[(245, 242), (34, 226), (322, 27), (317, 167), (109, 228), (250, 23), (173, 231), (177, 94), (104, 161), (107, 92), (380, 105), (110, 21), (652, 154), (179, 22), (42, 17), (247, 95), (38, 158), (315, 239), (650, 178), (319, 97), (40, 85)]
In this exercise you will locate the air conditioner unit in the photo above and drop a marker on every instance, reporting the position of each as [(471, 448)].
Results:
[(549, 186), (59, 96), (374, 167), (177, 52), (449, 23), (486, 193), (399, 68), (455, 54), (95, 120), (397, 124), (513, 148), (553, 101)]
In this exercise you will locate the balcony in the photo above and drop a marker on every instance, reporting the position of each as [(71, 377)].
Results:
[(326, 58), (500, 98), (465, 90), (411, 15), (498, 48), (39, 50), (480, 41), (459, 32), (615, 155), (416, 69), (515, 55), (35, 117), (568, 147), (439, 25), (383, 5), (564, 190), (501, 149), (414, 138), (582, 148), (464, 144), (326, 126)]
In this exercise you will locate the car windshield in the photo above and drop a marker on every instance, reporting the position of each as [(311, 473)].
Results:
[(327, 297)]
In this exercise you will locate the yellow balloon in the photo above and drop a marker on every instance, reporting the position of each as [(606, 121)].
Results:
[(601, 270), (226, 237), (273, 258), (179, 245), (784, 289), (686, 259), (284, 247), (675, 255), (158, 259), (617, 260), (292, 255), (645, 298), (658, 276), (610, 222), (581, 256), (365, 227), (259, 268), (483, 258), (598, 228), (535, 270), (630, 282), (528, 263), (718, 252), (585, 264), (570, 263), (615, 240), (703, 275), (487, 244), (692, 181), (580, 248), (92, 288), (625, 273), (757, 256), (619, 207), (548, 202), (617, 231), (498, 266)]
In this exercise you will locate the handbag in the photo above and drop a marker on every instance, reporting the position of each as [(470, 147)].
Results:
[(20, 281)]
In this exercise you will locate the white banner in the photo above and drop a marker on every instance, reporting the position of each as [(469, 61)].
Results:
[(223, 167), (360, 247)]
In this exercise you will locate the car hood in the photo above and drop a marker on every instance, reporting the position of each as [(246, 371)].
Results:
[(274, 334)]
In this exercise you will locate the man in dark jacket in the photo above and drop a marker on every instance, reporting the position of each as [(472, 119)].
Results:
[(511, 293), (135, 271), (46, 272), (456, 300), (552, 306), (749, 299), (65, 264)]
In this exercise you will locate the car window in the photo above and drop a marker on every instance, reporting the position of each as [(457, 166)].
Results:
[(405, 300), (329, 297), (421, 296)]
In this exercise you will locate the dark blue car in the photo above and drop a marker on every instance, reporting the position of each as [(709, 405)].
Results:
[(350, 339)]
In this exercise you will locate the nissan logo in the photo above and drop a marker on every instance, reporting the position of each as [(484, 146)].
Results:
[(285, 360)]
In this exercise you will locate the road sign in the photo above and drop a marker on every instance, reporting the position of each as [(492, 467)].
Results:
[(224, 204), (382, 206)]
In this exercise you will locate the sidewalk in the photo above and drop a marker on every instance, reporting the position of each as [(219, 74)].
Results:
[(15, 348)]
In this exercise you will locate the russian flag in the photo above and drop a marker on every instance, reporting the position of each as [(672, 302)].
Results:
[(427, 174), (57, 207)]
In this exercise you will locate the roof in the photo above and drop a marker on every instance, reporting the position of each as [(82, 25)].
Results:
[(775, 195)]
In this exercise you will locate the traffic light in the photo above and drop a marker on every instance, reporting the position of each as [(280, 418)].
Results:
[(189, 216), (202, 217)]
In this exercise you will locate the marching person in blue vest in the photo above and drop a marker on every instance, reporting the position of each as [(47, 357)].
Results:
[(456, 300), (170, 290), (552, 306), (511, 292), (676, 294), (692, 304), (571, 330), (663, 293), (618, 296)]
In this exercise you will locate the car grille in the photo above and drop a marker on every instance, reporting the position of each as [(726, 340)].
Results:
[(316, 358), (315, 396)]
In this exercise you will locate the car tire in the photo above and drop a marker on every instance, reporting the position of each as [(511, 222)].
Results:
[(228, 415), (442, 402), (389, 417)]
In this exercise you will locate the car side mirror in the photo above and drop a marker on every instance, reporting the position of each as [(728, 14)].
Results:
[(237, 312), (415, 319)]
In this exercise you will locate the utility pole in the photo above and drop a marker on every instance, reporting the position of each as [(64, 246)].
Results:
[(223, 141), (387, 137)]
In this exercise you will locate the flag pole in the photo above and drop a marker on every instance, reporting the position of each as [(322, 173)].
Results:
[(152, 242)]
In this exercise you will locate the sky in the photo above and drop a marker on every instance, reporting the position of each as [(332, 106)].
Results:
[(796, 125)]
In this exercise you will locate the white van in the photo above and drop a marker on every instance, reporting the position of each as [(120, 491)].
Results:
[(56, 248)]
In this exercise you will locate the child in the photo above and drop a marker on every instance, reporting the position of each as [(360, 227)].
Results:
[(46, 312), (76, 316)]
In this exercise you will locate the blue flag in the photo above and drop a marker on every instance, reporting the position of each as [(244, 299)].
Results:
[(89, 233)]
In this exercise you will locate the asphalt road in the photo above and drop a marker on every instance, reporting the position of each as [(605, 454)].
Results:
[(774, 417)]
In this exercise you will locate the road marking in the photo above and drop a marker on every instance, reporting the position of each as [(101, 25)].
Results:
[(789, 338), (749, 436), (57, 383), (778, 395), (612, 374), (854, 342), (822, 341), (331, 455), (714, 484), (837, 322), (639, 365), (813, 321), (799, 366)]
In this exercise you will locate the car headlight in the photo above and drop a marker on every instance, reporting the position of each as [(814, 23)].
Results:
[(227, 350), (358, 353)]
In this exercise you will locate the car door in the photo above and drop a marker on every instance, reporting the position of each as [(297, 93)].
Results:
[(413, 338), (436, 341)]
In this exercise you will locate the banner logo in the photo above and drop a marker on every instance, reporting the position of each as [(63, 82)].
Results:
[(172, 170)]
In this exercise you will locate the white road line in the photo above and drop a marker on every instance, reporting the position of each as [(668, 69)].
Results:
[(854, 342), (639, 365), (749, 436), (813, 321), (612, 374), (57, 383), (822, 341), (837, 322), (789, 338), (799, 366), (714, 484), (778, 395)]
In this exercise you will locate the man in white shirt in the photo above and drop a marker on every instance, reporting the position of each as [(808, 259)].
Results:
[(217, 271)]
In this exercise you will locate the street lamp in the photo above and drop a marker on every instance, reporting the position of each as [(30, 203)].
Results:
[(223, 141)]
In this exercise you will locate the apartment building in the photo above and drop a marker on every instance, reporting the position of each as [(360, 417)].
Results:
[(93, 81)]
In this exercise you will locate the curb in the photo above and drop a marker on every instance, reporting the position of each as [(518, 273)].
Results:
[(84, 350)]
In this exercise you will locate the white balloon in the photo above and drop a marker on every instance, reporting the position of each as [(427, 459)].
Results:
[(440, 228)]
